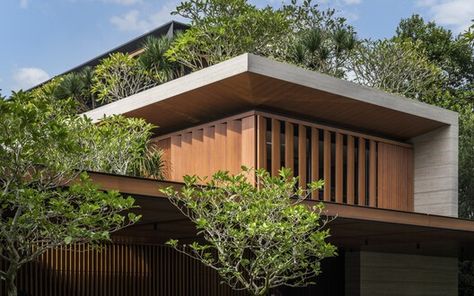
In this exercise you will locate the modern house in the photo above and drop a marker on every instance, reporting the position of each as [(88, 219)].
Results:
[(390, 166)]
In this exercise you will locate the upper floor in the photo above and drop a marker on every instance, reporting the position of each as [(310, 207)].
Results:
[(373, 149)]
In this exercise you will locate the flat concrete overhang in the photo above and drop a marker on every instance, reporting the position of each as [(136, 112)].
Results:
[(354, 227), (250, 82)]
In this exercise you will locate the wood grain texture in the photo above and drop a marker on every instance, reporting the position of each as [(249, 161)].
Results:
[(289, 146), (276, 161), (373, 174), (327, 165), (339, 182), (314, 159), (302, 164), (249, 146), (395, 175), (120, 269), (350, 170), (261, 142), (362, 173)]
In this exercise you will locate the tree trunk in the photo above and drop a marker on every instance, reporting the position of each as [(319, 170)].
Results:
[(11, 285)]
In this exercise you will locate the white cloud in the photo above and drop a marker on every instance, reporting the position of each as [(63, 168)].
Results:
[(25, 78), (24, 3), (145, 19), (350, 2), (123, 2), (455, 14)]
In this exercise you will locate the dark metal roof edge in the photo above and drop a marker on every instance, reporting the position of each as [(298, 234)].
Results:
[(163, 29)]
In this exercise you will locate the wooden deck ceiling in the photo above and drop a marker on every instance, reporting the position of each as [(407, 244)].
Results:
[(250, 82), (355, 227)]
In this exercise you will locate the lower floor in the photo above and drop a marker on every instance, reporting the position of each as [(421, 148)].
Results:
[(142, 269)]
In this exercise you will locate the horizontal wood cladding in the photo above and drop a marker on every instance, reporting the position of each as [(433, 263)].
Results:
[(222, 145), (357, 169), (117, 270)]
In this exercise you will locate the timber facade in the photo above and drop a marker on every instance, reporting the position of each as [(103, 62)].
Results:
[(389, 165)]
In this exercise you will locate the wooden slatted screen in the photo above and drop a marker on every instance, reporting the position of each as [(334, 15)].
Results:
[(355, 167), (117, 270), (222, 145), (395, 166)]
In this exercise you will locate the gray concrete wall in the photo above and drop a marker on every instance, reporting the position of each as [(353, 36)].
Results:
[(387, 274), (436, 171)]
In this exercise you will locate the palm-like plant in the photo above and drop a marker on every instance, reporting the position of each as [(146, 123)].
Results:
[(153, 59)]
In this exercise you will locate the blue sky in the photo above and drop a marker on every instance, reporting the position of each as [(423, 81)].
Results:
[(43, 38)]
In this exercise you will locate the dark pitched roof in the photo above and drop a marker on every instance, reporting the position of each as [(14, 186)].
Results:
[(169, 29)]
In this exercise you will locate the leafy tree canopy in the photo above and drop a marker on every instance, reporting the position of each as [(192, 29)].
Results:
[(40, 152), (257, 237), (299, 33)]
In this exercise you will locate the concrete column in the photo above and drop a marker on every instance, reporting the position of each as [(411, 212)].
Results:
[(436, 171)]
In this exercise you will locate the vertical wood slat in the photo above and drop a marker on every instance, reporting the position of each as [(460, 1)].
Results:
[(221, 146), (289, 146), (373, 174), (361, 164), (314, 159), (233, 159), (249, 153), (175, 157), (350, 170), (275, 147), (339, 182), (302, 155), (261, 142), (410, 181), (197, 150), (327, 165)]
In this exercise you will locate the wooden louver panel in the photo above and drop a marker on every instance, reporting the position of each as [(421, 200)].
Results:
[(117, 270), (327, 166), (275, 146), (357, 169), (395, 186), (289, 144), (224, 145), (314, 159), (339, 167), (302, 155)]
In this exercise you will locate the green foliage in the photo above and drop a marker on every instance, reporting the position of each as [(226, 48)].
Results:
[(256, 237), (320, 41), (452, 54), (40, 151), (399, 67), (153, 59), (77, 86), (455, 57), (119, 76), (119, 145), (223, 29)]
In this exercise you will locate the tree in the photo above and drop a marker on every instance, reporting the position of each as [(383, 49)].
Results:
[(119, 145), (119, 76), (77, 86), (396, 67), (454, 55), (222, 29), (257, 237), (153, 59), (44, 201)]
